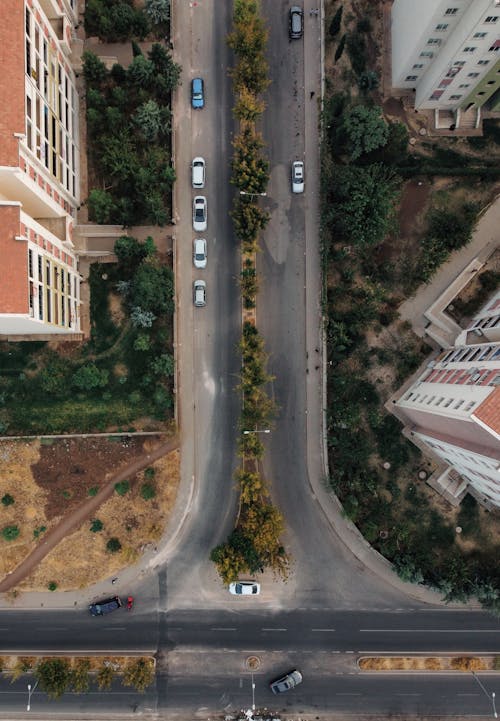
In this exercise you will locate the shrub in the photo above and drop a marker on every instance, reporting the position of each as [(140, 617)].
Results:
[(94, 70), (336, 23), (356, 49), (113, 545), (10, 533), (96, 525), (340, 48), (93, 491), (89, 376), (122, 487), (148, 491), (101, 206), (7, 500), (139, 673), (52, 585), (54, 676), (364, 129), (149, 473)]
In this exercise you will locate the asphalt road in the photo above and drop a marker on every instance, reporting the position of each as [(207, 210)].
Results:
[(442, 695), (253, 630), (331, 604)]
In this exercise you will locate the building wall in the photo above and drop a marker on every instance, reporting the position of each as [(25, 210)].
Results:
[(454, 408), (39, 280), (442, 49), (12, 81), (480, 469)]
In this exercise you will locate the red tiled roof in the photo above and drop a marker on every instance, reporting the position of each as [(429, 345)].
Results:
[(489, 411)]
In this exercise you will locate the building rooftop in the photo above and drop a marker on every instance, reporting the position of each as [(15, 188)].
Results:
[(488, 412)]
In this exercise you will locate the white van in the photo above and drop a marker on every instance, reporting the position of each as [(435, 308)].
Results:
[(198, 173)]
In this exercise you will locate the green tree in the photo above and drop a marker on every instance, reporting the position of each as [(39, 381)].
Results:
[(163, 365), (130, 252), (10, 533), (80, 679), (54, 676), (113, 545), (122, 487), (362, 204), (249, 35), (153, 288), (148, 118), (250, 171), (141, 71), (52, 586), (158, 11), (94, 70), (148, 491), (251, 485), (248, 221), (101, 206), (96, 525), (139, 673), (248, 107), (142, 342), (89, 376), (364, 130), (7, 500), (105, 676), (229, 562), (24, 664)]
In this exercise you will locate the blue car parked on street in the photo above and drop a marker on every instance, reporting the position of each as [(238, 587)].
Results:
[(197, 93)]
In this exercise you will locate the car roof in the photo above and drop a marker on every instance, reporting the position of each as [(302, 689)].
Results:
[(197, 83)]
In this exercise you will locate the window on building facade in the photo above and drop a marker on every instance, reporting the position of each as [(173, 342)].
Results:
[(426, 54), (494, 48), (458, 405), (411, 77), (434, 41), (480, 35), (455, 97), (418, 66), (483, 62), (491, 19), (470, 49), (472, 75), (464, 85), (451, 11), (30, 263), (481, 93), (442, 27)]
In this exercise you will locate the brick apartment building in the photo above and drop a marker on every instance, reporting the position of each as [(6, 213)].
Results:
[(39, 173), (454, 410), (448, 53)]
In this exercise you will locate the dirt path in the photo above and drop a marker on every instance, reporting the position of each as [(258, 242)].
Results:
[(85, 511)]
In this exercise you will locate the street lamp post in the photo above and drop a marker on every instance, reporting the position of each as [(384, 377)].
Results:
[(253, 195), (265, 430), (491, 696), (253, 695), (31, 691)]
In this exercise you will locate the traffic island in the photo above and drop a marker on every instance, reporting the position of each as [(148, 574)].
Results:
[(421, 664)]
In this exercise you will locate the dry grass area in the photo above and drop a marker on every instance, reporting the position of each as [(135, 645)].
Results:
[(50, 481), (81, 559), (428, 663), (27, 511)]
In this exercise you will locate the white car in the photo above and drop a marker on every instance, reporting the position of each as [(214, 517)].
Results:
[(198, 173), (200, 213), (199, 293), (297, 176), (200, 253), (244, 588)]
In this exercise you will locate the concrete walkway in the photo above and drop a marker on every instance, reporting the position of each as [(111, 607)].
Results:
[(484, 241)]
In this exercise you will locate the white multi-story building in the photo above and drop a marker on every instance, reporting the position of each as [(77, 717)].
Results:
[(454, 409), (447, 51), (39, 173)]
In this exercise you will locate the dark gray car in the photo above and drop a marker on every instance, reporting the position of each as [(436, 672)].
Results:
[(286, 682)]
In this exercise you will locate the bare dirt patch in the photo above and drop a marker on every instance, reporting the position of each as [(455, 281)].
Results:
[(68, 468)]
